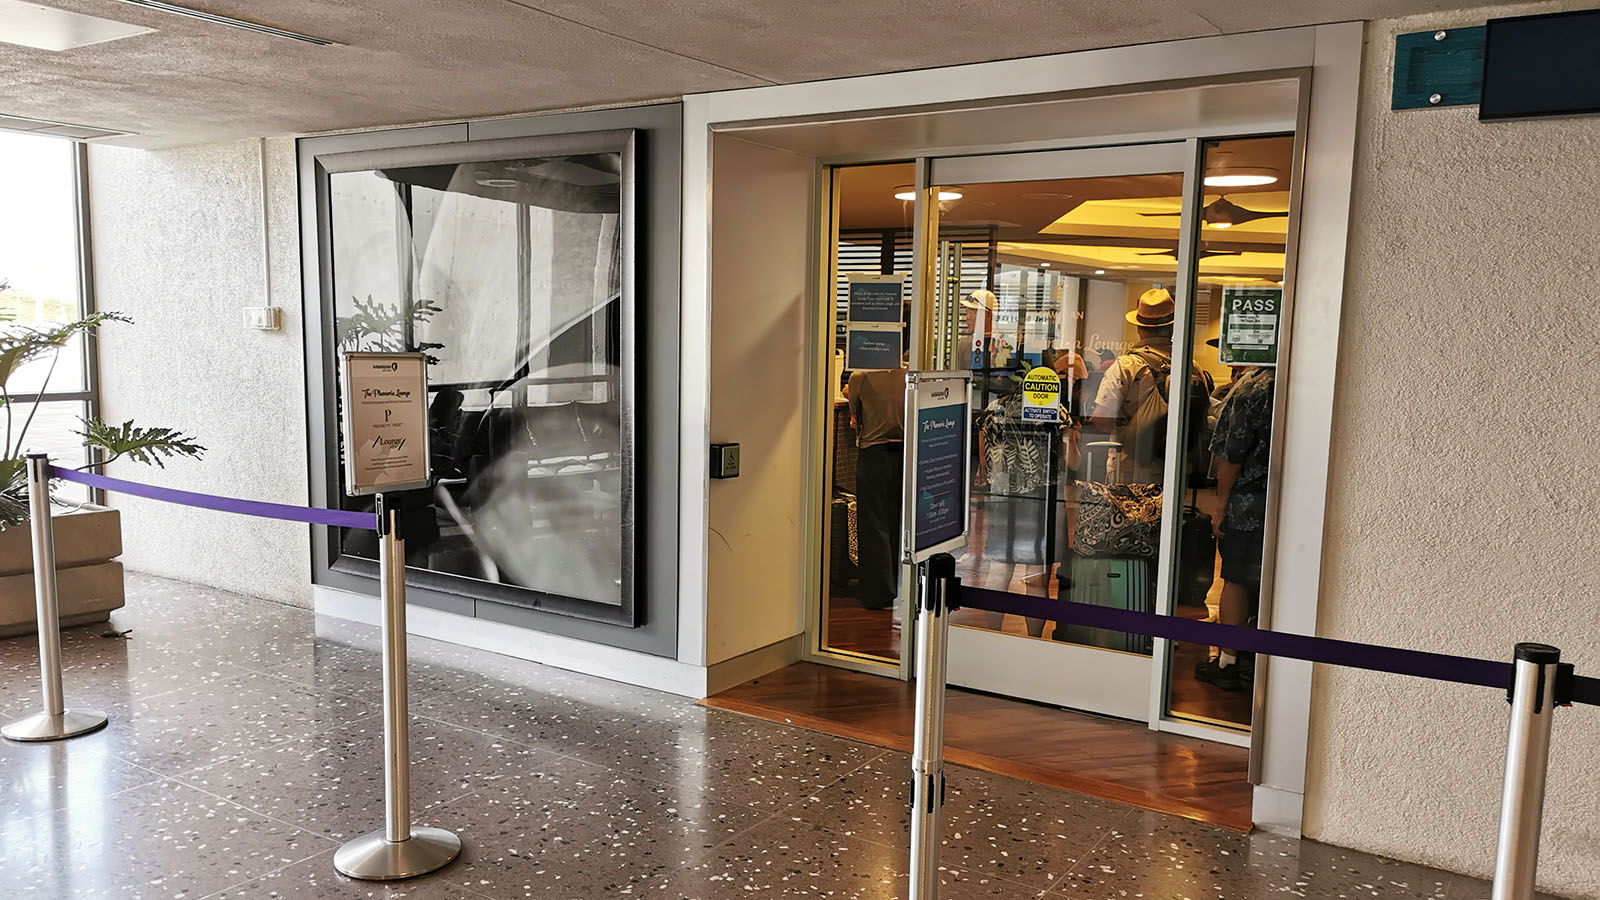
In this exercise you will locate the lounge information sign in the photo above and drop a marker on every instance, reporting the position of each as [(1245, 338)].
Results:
[(1251, 317), (385, 422), (872, 348), (939, 410), (875, 298)]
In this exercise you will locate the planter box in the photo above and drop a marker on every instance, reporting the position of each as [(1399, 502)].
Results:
[(89, 581)]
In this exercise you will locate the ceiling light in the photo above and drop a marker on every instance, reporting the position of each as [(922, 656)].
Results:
[(1221, 224), (1099, 271), (229, 21), (44, 28), (498, 182), (907, 192), (1237, 176), (1044, 265)]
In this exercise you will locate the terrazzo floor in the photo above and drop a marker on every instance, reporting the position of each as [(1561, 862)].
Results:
[(244, 747)]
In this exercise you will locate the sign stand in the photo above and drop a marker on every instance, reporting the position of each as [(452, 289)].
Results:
[(938, 495), (386, 451)]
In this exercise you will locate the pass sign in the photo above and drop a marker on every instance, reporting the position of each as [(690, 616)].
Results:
[(1251, 317), (385, 428), (1041, 395)]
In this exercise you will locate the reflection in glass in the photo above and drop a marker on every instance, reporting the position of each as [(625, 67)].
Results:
[(509, 276), (1238, 316)]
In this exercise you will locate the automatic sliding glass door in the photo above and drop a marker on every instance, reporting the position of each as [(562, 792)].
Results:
[(1077, 261)]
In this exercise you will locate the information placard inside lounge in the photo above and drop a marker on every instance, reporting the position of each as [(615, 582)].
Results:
[(385, 422)]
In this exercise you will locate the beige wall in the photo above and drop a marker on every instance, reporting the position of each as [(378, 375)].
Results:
[(759, 335), (1463, 487), (178, 244)]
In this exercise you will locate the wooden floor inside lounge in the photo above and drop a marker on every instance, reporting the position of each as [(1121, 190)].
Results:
[(1116, 760)]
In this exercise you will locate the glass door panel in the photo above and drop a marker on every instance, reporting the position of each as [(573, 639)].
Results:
[(1068, 260), (871, 232), (1234, 327)]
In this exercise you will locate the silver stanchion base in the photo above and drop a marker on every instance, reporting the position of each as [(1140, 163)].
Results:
[(373, 857), (45, 727)]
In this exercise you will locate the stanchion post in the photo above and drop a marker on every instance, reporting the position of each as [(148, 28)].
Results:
[(55, 722), (1536, 688), (937, 588), (397, 850)]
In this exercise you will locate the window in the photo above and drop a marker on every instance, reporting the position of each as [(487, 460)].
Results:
[(40, 262), (509, 272)]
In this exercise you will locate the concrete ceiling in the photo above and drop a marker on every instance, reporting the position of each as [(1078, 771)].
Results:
[(408, 61)]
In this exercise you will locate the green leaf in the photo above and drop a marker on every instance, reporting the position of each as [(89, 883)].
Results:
[(13, 492), (21, 344), (145, 445)]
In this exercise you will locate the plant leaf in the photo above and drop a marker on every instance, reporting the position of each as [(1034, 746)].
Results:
[(146, 445)]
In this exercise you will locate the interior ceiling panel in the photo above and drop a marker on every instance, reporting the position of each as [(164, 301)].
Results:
[(406, 61)]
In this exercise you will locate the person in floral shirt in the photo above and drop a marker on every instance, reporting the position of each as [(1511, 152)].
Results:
[(1242, 445)]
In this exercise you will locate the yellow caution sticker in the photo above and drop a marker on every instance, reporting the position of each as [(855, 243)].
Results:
[(1041, 395)]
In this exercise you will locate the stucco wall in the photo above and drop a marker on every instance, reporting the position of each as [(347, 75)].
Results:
[(1463, 487), (178, 245)]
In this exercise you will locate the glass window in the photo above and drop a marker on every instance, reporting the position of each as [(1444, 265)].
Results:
[(508, 274), (39, 252), (39, 265)]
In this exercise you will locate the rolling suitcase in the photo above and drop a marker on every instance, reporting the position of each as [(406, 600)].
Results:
[(1197, 556), (1116, 582)]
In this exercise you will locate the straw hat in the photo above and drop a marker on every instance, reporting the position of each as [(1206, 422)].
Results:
[(981, 299), (1155, 309)]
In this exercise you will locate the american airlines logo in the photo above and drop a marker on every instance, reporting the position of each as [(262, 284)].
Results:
[(941, 394)]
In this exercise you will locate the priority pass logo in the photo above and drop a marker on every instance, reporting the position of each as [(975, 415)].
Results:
[(1041, 387)]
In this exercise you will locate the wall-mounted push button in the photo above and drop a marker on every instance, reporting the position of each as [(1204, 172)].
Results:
[(724, 460)]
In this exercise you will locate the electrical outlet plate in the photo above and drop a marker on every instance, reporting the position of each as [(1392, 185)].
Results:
[(263, 318)]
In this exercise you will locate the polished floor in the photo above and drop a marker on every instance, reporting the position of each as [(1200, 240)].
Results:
[(243, 748), (1107, 758)]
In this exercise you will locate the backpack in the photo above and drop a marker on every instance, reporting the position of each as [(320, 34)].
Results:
[(1147, 427)]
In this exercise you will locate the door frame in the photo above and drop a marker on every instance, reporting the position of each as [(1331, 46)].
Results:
[(1322, 61)]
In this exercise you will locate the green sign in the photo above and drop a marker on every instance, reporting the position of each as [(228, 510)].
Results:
[(1251, 317)]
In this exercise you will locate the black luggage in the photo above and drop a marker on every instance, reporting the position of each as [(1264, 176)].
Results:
[(1197, 557)]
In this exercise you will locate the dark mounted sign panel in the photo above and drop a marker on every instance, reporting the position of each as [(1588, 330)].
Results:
[(1541, 66), (1437, 68)]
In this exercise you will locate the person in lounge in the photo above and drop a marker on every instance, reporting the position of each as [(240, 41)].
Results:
[(1242, 444), (1132, 378), (877, 413)]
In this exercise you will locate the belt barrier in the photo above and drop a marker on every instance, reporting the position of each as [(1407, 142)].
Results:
[(398, 849), (1535, 682), (1349, 654), (338, 518)]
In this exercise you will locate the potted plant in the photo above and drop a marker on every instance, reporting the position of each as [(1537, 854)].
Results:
[(88, 537)]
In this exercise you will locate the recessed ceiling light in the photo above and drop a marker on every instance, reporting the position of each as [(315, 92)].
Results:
[(230, 21), (1221, 224), (44, 28), (1240, 177), (499, 182), (907, 192), (1044, 265), (1099, 271)]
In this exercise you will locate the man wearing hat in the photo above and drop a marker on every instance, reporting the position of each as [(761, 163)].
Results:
[(1145, 368)]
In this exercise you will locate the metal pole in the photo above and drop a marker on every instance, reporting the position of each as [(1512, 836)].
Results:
[(936, 581), (397, 850), (56, 721), (1533, 701)]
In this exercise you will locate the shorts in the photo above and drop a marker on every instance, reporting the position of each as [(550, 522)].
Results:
[(1241, 557)]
